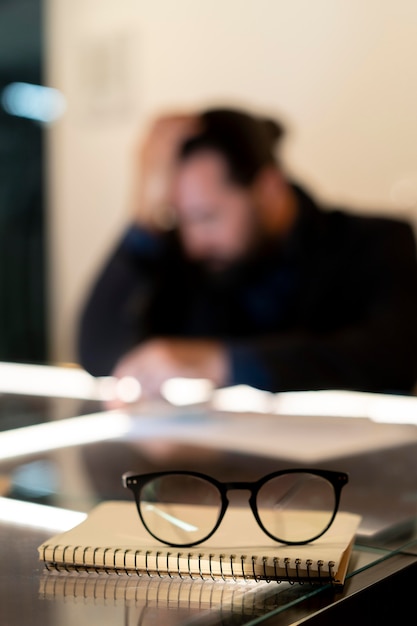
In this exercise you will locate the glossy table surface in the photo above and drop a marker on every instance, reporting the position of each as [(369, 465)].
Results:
[(76, 474)]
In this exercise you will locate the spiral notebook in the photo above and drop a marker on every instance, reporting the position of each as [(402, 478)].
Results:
[(112, 540)]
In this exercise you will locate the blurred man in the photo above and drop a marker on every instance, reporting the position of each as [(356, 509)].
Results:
[(232, 272)]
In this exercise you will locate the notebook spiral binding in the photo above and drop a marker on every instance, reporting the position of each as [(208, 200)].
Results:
[(323, 575)]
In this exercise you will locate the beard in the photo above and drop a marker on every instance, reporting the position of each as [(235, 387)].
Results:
[(223, 271)]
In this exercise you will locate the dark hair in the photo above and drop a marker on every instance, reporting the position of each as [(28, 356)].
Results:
[(246, 142)]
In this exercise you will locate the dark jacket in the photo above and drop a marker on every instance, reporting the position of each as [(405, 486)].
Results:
[(335, 306)]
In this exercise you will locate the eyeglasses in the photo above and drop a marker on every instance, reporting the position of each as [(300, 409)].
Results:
[(182, 508)]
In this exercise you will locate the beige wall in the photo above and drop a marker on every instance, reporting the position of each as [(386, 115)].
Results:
[(341, 73)]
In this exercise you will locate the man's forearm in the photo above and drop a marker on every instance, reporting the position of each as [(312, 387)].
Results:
[(356, 358), (110, 321)]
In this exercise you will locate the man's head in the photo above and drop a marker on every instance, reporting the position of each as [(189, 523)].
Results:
[(229, 190)]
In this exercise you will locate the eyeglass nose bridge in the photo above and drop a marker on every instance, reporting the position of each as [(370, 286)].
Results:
[(242, 486), (250, 487), (239, 486)]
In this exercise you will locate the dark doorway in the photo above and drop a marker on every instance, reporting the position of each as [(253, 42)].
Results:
[(22, 216)]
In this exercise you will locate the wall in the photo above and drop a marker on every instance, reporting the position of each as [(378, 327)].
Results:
[(341, 73)]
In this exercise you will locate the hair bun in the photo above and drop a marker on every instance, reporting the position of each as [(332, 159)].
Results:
[(246, 141), (274, 130)]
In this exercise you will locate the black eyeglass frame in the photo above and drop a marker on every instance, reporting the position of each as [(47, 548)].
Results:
[(136, 482)]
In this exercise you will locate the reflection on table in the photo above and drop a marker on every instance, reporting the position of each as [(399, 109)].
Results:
[(69, 454)]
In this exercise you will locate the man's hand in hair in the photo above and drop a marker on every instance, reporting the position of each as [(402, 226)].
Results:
[(154, 170)]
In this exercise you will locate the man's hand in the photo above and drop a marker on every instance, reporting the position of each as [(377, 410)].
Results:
[(157, 360), (156, 164)]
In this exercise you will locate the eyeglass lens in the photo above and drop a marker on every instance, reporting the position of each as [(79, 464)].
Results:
[(164, 507), (294, 507)]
